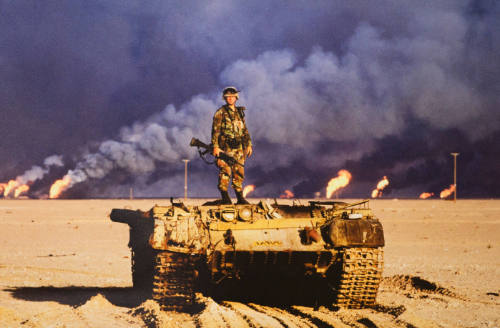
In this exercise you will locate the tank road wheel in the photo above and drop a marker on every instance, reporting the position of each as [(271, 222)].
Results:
[(174, 281), (357, 277)]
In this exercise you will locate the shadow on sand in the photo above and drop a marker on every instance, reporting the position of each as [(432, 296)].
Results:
[(269, 292), (76, 296), (275, 291)]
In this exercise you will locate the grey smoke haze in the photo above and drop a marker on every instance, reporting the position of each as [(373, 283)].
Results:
[(54, 160), (37, 172), (122, 87)]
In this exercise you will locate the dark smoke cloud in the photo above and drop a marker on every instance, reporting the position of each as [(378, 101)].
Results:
[(378, 89)]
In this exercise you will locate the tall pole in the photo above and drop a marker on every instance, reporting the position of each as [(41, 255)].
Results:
[(455, 174), (185, 178)]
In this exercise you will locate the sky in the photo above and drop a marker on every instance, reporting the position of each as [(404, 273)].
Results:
[(109, 94)]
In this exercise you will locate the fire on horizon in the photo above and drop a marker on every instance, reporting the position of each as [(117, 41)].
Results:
[(13, 189)]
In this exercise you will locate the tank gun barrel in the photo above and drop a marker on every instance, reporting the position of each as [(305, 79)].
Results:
[(128, 216)]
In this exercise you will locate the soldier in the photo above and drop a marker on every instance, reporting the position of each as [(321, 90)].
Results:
[(230, 135)]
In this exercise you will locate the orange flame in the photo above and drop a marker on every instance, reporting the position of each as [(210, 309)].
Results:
[(287, 194), (342, 180), (9, 187), (447, 192), (59, 186), (383, 183), (380, 186), (426, 195), (19, 190), (2, 187), (248, 189)]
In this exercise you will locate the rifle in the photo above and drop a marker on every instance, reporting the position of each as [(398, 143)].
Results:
[(208, 149)]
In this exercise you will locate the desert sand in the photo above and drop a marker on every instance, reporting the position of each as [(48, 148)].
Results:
[(63, 263)]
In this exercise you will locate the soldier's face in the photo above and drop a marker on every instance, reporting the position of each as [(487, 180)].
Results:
[(231, 100)]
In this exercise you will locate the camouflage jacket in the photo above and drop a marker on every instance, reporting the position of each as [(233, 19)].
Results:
[(229, 130)]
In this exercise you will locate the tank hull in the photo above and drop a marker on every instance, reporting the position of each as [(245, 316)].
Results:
[(339, 247)]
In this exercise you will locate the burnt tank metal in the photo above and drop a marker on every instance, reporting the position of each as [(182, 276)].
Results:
[(175, 247)]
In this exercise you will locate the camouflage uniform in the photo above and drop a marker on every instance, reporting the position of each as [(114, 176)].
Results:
[(230, 134)]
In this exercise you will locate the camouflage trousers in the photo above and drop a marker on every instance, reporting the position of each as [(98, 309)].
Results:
[(237, 171)]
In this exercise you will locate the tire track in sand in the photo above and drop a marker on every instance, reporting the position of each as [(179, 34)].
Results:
[(254, 318), (215, 315), (320, 319), (285, 318)]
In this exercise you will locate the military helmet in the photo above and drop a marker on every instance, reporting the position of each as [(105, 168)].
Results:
[(230, 91)]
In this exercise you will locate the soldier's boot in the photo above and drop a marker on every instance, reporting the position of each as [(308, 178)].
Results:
[(225, 200), (241, 199)]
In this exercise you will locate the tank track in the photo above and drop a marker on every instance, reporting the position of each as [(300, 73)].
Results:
[(359, 278), (174, 281)]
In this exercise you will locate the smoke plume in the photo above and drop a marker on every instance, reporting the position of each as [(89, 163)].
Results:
[(379, 90), (36, 172)]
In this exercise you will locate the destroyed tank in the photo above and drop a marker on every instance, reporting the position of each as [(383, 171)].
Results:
[(178, 250)]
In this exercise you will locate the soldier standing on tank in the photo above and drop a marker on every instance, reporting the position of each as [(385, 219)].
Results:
[(230, 135)]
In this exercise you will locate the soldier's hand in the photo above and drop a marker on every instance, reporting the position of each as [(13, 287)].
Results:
[(216, 151), (248, 151)]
